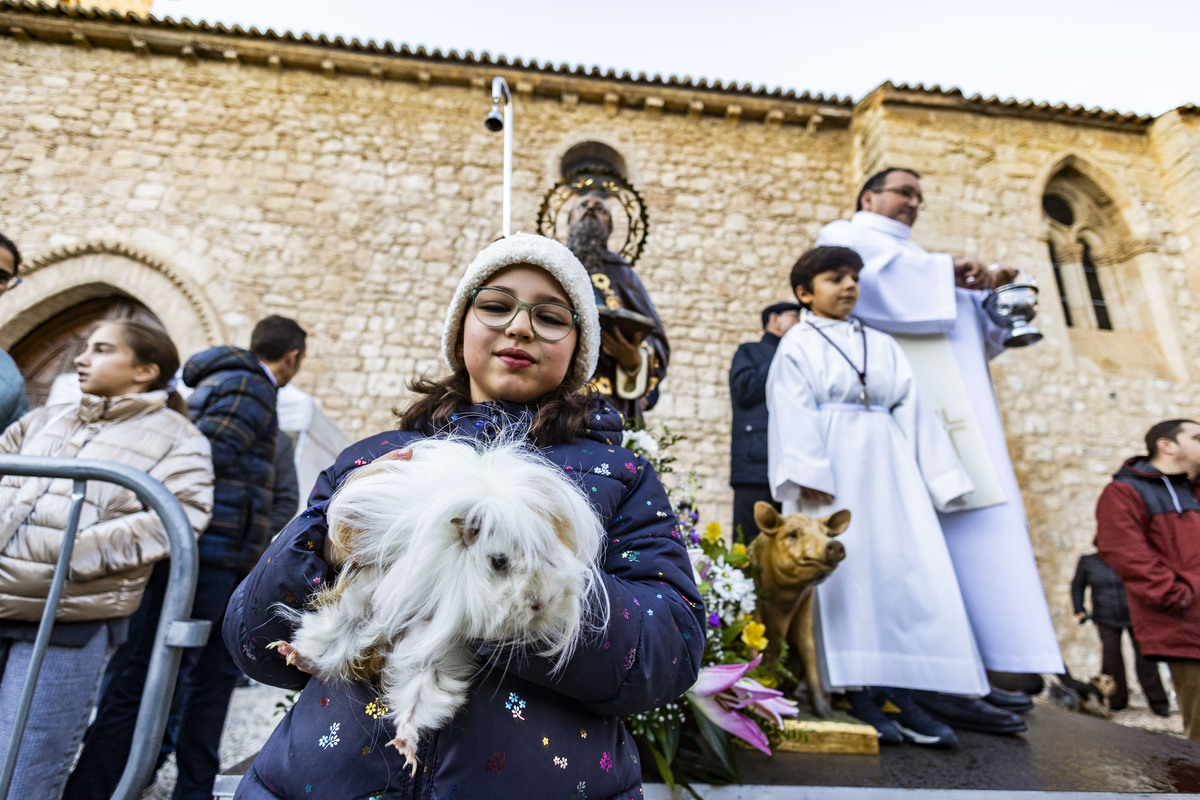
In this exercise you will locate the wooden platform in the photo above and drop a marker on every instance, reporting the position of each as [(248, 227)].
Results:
[(842, 734)]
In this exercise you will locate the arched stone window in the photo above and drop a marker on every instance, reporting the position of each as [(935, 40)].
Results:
[(1083, 234), (590, 155), (1109, 278)]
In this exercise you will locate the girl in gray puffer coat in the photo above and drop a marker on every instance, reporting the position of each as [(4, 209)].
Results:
[(123, 416), (521, 336)]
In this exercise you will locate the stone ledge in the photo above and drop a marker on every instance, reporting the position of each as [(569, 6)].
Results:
[(26, 22)]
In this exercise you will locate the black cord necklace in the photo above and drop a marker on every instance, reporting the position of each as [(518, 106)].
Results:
[(861, 373)]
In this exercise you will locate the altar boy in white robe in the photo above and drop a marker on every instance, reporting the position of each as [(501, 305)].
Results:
[(933, 304), (849, 428)]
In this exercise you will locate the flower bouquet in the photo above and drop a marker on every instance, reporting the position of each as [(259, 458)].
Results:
[(692, 740)]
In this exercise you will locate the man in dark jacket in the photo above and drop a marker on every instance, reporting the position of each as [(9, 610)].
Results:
[(233, 404), (1148, 531), (1110, 612), (748, 391)]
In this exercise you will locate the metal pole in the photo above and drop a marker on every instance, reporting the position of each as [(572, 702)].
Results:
[(494, 123), (175, 629), (508, 145), (78, 490)]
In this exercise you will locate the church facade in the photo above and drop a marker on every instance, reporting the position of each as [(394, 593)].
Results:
[(205, 177)]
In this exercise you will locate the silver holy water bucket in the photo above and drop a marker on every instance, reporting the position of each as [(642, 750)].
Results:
[(1013, 306)]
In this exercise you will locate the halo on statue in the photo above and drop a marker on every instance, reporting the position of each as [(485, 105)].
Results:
[(626, 207)]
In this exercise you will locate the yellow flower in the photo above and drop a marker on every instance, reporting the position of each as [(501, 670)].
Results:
[(768, 681), (739, 549), (712, 533), (753, 636)]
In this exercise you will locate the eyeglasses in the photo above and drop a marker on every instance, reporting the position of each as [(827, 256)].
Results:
[(496, 308), (8, 282), (907, 192)]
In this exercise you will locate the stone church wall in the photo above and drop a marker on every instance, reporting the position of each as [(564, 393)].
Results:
[(353, 203)]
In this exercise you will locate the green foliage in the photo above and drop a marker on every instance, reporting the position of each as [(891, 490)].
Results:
[(285, 705)]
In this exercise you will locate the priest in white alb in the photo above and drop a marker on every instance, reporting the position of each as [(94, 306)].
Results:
[(932, 304)]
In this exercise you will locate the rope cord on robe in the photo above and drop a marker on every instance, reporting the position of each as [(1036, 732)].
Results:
[(861, 373)]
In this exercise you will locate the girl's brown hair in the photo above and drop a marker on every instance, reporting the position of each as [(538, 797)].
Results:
[(561, 413), (152, 345)]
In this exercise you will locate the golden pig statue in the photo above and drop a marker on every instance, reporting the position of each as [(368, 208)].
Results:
[(791, 556)]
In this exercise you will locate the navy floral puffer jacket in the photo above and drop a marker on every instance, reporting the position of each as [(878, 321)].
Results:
[(523, 732)]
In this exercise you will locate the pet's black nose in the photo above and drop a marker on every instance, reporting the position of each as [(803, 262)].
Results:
[(536, 606)]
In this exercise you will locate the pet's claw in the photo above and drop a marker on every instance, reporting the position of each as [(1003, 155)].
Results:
[(285, 649), (410, 755), (292, 657)]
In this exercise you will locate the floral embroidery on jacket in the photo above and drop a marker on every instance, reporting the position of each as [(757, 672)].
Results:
[(516, 705), (330, 739)]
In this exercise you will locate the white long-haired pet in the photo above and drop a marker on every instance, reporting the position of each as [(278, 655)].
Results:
[(454, 546)]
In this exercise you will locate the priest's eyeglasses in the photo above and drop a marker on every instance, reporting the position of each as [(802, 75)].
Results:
[(496, 308), (8, 282), (907, 192)]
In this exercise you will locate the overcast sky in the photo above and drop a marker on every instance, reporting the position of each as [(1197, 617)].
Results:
[(1126, 55)]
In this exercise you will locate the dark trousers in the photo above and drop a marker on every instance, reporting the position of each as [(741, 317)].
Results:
[(1112, 662), (745, 495), (207, 676)]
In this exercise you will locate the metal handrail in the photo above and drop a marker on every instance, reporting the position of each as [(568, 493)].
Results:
[(175, 629)]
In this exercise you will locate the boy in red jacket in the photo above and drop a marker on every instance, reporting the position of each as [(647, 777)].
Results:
[(1148, 531)]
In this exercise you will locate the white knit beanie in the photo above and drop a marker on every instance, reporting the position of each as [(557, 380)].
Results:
[(561, 263)]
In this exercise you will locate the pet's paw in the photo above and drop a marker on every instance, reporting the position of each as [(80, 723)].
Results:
[(409, 753), (293, 657)]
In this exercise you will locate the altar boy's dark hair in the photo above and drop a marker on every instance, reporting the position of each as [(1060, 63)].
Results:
[(823, 259)]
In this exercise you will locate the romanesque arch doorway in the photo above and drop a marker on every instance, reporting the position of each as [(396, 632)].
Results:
[(68, 290), (49, 350)]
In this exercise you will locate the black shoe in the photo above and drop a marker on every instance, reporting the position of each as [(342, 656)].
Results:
[(1016, 702), (915, 725), (1163, 710), (970, 713), (1030, 683), (859, 705)]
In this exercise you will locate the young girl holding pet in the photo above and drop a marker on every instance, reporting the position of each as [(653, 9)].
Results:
[(521, 336)]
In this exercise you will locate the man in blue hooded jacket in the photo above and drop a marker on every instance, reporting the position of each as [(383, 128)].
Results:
[(233, 404)]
